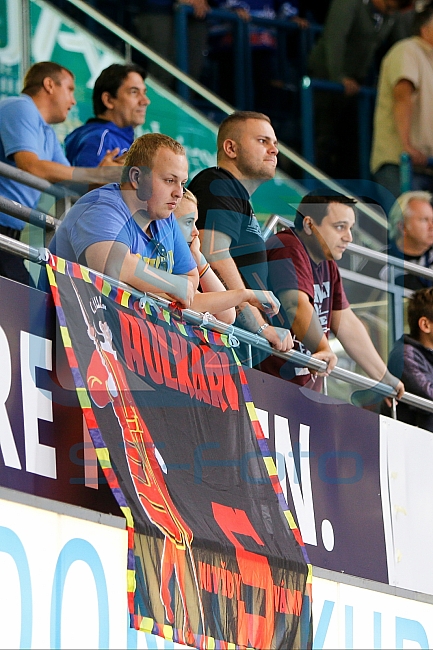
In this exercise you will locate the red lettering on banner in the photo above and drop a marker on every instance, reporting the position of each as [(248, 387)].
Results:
[(294, 601), (230, 389), (238, 582), (198, 378), (223, 582), (230, 585), (202, 569), (277, 590), (131, 342), (214, 373), (198, 370), (180, 352), (255, 571), (216, 575), (151, 352), (170, 381), (283, 603)]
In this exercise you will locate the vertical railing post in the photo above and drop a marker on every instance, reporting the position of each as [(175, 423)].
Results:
[(239, 50), (364, 134), (405, 172), (26, 53), (307, 111), (182, 45)]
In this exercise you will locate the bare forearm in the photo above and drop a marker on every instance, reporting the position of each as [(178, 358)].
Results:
[(55, 172), (356, 341), (403, 119), (114, 259)]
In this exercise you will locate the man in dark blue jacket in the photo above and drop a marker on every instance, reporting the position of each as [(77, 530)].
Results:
[(119, 102), (412, 358)]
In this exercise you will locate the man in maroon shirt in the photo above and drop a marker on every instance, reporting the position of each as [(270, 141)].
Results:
[(304, 275)]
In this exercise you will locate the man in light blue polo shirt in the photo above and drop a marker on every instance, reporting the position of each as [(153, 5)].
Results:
[(28, 141)]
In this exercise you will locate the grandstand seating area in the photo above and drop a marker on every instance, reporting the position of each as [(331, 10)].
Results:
[(380, 306)]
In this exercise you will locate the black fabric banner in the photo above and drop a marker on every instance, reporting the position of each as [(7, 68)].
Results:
[(212, 557)]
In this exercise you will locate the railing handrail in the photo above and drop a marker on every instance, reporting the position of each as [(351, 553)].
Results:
[(41, 256), (377, 256), (335, 86), (29, 215), (216, 101), (26, 178)]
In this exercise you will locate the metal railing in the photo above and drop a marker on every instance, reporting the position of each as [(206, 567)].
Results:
[(397, 292), (244, 85), (132, 42), (365, 98), (234, 333)]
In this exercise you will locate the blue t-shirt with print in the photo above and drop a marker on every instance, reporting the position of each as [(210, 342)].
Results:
[(22, 128), (102, 215)]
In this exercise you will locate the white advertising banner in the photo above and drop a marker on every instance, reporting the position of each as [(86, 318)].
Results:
[(406, 461), (348, 617), (63, 583)]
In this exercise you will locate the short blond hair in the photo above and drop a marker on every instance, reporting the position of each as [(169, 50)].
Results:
[(189, 196), (143, 150)]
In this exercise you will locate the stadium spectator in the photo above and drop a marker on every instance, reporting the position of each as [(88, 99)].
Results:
[(304, 275), (412, 359), (119, 104), (411, 231), (230, 234), (263, 45), (402, 120), (155, 27), (353, 33), (28, 142), (213, 297), (128, 231)]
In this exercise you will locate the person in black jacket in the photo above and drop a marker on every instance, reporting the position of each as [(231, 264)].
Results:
[(412, 358)]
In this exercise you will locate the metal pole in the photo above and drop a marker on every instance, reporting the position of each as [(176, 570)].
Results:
[(364, 130), (25, 36), (307, 109), (182, 45), (239, 76), (405, 172)]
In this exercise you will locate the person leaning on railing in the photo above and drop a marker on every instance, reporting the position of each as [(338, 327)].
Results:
[(213, 296), (230, 234), (128, 231), (344, 53), (412, 358), (28, 142), (305, 277), (402, 119)]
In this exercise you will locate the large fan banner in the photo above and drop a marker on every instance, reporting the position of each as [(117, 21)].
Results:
[(215, 559)]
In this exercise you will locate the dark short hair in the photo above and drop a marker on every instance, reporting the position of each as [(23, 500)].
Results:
[(422, 18), (316, 205), (420, 304), (110, 80), (34, 79), (228, 127)]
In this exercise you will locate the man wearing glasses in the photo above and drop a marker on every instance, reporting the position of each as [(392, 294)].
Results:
[(128, 231)]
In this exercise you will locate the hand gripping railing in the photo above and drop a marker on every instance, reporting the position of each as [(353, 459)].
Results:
[(234, 333)]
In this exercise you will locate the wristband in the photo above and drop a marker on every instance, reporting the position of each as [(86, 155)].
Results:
[(263, 327), (204, 269)]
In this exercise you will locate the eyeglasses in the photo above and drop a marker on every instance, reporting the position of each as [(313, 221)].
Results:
[(161, 254)]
